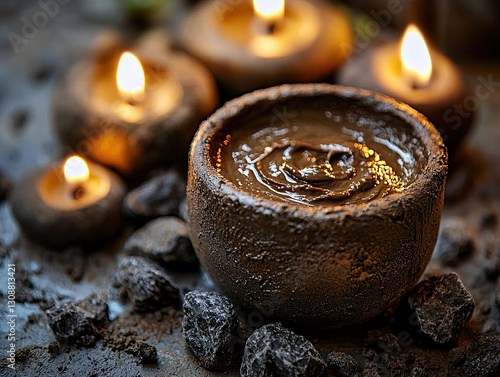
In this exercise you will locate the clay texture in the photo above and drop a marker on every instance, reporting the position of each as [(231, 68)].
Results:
[(324, 266)]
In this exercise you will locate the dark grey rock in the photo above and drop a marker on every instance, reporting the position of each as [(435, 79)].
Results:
[(211, 329), (78, 323), (274, 350), (147, 284), (455, 242), (164, 240), (342, 364), (160, 196), (483, 357), (442, 306)]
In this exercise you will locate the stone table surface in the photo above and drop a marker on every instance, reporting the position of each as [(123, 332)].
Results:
[(30, 66)]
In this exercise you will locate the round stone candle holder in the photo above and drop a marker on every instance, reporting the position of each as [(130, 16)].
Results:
[(379, 69), (311, 41), (318, 204), (55, 214), (92, 120)]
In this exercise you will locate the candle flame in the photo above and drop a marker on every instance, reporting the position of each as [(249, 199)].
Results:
[(416, 61), (270, 11), (130, 78), (76, 170)]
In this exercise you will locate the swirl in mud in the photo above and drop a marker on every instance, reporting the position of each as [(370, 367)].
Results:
[(311, 168), (325, 172)]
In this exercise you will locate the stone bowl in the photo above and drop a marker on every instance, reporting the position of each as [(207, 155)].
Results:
[(325, 266)]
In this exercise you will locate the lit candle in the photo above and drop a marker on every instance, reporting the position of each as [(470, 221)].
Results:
[(416, 64), (71, 203), (420, 76), (76, 175), (252, 45), (131, 86), (268, 14), (133, 110), (130, 78)]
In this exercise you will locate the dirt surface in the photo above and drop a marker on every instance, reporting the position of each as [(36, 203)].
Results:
[(45, 278)]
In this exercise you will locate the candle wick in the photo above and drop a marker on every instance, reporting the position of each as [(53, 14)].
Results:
[(78, 192), (132, 102), (264, 27), (413, 83), (271, 28)]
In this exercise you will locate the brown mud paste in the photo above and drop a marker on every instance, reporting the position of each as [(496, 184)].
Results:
[(317, 159)]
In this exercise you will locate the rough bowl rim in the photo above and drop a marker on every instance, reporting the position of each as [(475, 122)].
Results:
[(434, 170)]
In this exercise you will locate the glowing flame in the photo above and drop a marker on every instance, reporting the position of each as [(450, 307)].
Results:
[(76, 170), (130, 78), (416, 62), (270, 11)]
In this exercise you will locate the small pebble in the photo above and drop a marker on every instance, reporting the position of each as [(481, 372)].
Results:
[(146, 353), (483, 357), (389, 344), (488, 220), (442, 306), (54, 348), (274, 350), (342, 364), (164, 240), (147, 284), (418, 372), (455, 241), (19, 120), (371, 370), (78, 322), (160, 196), (5, 187), (497, 296), (211, 329)]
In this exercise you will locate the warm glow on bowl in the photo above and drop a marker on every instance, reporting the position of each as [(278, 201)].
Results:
[(269, 10), (76, 170), (130, 78), (416, 65)]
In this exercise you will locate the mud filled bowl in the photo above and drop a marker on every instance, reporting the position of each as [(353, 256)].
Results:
[(318, 205)]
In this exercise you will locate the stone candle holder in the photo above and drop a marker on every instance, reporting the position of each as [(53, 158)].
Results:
[(49, 217), (314, 40), (379, 69), (179, 93), (320, 264)]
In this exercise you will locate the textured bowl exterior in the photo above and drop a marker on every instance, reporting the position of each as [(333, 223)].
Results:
[(320, 266)]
